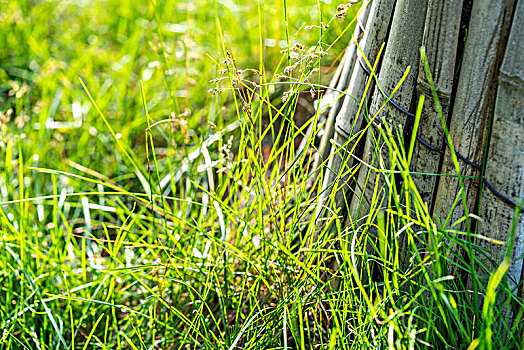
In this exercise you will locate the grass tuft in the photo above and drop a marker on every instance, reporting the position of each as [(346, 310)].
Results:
[(138, 211)]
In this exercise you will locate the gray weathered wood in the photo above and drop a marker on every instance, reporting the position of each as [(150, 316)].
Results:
[(473, 103), (505, 163), (477, 107), (402, 51), (375, 34), (441, 37)]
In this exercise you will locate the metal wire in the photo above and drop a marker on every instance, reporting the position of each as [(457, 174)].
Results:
[(439, 150)]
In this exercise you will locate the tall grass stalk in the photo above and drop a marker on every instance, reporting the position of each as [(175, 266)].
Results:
[(165, 221)]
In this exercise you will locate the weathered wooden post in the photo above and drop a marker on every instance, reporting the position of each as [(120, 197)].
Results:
[(505, 160), (481, 91), (402, 47), (473, 103), (441, 38)]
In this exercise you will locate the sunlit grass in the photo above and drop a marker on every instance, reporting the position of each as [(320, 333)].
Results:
[(141, 206)]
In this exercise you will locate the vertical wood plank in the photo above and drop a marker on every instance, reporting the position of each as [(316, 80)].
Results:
[(402, 51), (441, 37), (505, 163), (473, 103), (374, 35)]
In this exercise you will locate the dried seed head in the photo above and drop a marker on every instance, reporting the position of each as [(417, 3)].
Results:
[(212, 125), (342, 7), (341, 14), (286, 95), (300, 46), (289, 69)]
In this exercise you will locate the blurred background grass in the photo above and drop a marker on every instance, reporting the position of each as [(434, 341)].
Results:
[(51, 248), (112, 45)]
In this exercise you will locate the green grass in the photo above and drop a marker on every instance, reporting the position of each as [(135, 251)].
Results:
[(137, 210)]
